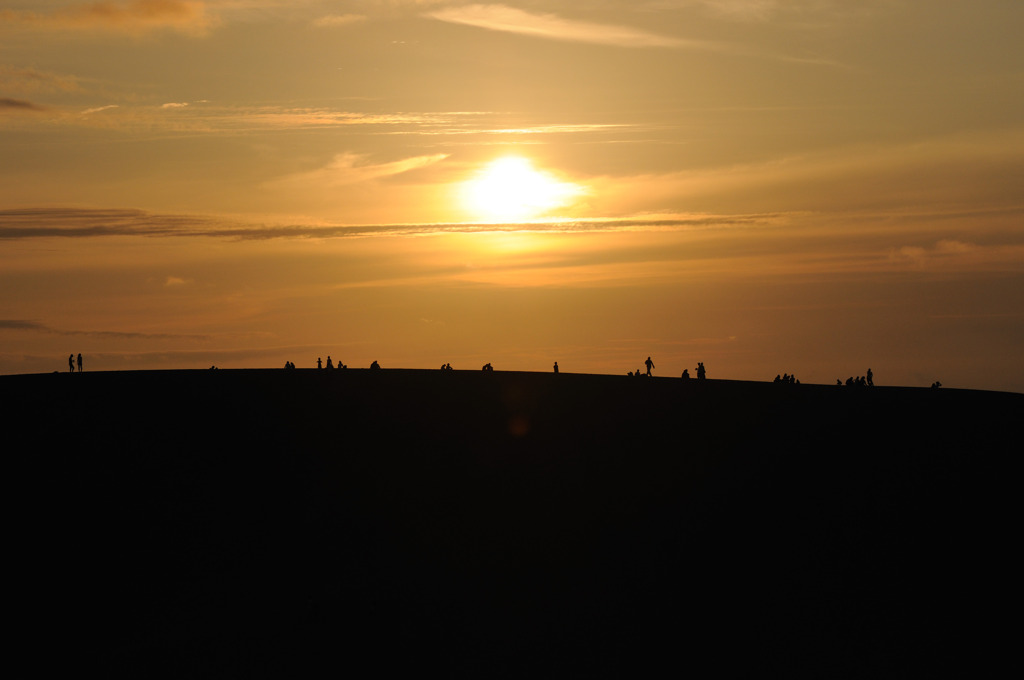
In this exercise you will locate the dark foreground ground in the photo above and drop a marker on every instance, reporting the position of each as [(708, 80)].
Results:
[(313, 523)]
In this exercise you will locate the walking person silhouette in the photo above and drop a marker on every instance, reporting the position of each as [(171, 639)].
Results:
[(649, 364), (71, 363), (80, 362)]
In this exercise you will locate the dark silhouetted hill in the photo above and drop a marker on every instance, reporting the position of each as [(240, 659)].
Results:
[(312, 523)]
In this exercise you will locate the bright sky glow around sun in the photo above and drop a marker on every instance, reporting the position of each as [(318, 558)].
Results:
[(812, 187)]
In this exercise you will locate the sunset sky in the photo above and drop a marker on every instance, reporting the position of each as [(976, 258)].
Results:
[(804, 186)]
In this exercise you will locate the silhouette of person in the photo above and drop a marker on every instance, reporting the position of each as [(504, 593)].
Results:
[(556, 367), (319, 362), (871, 376), (649, 364), (330, 364), (686, 374), (701, 373), (80, 363), (375, 365), (71, 363)]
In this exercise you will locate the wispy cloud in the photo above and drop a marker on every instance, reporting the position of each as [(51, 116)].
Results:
[(336, 20), (27, 325), (21, 325), (82, 223), (23, 80), (813, 11), (348, 168), (98, 109), (18, 105), (96, 223), (133, 16), (554, 27), (746, 10), (784, 244)]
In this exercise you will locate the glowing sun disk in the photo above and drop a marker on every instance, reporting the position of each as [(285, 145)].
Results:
[(510, 189)]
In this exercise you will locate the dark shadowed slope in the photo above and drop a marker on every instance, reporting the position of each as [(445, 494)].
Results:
[(507, 524)]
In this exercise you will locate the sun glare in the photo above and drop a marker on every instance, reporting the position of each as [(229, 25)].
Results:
[(509, 189)]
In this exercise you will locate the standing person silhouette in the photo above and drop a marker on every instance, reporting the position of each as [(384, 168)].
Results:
[(319, 362), (556, 367), (71, 363), (871, 376), (700, 371), (80, 363), (649, 364)]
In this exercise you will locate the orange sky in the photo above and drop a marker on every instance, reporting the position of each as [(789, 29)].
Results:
[(808, 186)]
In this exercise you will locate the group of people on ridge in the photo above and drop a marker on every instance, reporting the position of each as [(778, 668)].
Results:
[(867, 380), (862, 381), (701, 372), (71, 363), (319, 363)]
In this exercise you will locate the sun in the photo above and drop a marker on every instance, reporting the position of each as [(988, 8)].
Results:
[(509, 189)]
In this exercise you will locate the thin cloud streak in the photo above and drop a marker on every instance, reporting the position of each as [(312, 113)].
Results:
[(24, 80), (337, 20), (202, 117), (18, 105), (26, 325), (134, 17), (92, 223), (98, 109), (554, 27), (347, 168)]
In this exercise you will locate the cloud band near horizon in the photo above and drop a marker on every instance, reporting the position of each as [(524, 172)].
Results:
[(28, 223)]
